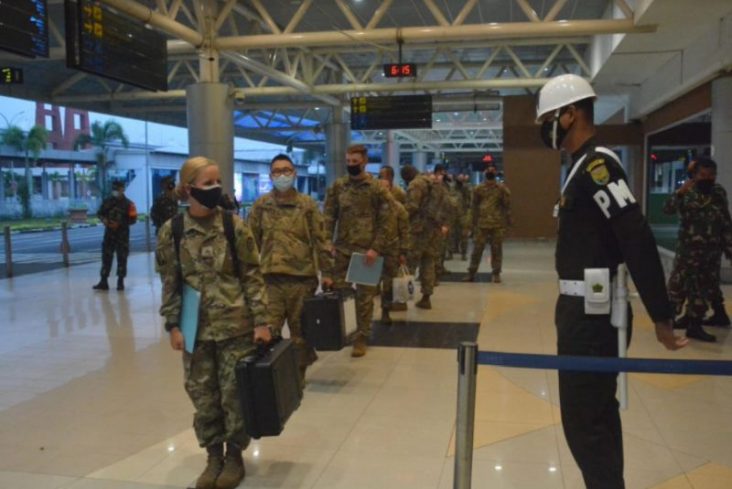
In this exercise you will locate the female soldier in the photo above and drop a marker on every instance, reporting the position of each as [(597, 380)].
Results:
[(231, 315)]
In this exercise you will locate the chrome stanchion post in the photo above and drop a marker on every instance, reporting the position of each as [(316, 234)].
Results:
[(147, 234), (8, 253), (619, 319), (465, 424), (65, 247)]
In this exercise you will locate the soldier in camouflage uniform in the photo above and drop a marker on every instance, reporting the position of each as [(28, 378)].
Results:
[(232, 316), (358, 218), (288, 229), (117, 213), (704, 232), (449, 210), (426, 225), (461, 229), (165, 205), (491, 214), (397, 249)]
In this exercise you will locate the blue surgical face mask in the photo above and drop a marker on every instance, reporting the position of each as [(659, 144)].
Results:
[(283, 183)]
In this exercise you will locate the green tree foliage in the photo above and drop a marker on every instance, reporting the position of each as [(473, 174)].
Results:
[(30, 144), (101, 137)]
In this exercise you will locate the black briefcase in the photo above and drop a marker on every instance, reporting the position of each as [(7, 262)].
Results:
[(269, 388), (328, 320)]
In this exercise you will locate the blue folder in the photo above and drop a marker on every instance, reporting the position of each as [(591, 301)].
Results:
[(360, 273), (190, 302)]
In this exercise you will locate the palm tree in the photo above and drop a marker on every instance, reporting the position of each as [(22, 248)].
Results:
[(102, 135), (30, 144)]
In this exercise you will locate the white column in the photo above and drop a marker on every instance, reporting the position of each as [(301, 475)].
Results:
[(419, 160), (337, 139), (211, 127), (390, 153)]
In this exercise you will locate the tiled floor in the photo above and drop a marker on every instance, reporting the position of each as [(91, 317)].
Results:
[(91, 397)]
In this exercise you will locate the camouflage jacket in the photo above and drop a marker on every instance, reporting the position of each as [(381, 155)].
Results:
[(358, 215), (116, 210), (704, 219), (399, 243), (163, 209), (425, 208), (491, 207), (230, 306), (399, 194), (290, 235)]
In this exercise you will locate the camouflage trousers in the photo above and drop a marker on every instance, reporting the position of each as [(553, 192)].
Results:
[(441, 252), (695, 281), (459, 237), (115, 242), (210, 382), (286, 296), (482, 237), (391, 268), (422, 257), (364, 294)]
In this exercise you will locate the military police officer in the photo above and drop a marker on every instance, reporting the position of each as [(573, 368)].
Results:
[(358, 219), (600, 226), (288, 229), (117, 213)]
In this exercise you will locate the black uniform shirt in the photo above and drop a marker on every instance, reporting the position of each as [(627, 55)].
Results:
[(601, 225)]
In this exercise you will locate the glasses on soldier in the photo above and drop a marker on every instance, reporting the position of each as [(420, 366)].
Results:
[(276, 172)]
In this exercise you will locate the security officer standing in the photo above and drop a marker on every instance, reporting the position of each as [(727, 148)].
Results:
[(705, 232), (117, 213), (491, 214), (358, 219), (165, 205), (600, 226), (288, 229)]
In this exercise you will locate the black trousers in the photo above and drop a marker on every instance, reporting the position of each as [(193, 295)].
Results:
[(590, 410)]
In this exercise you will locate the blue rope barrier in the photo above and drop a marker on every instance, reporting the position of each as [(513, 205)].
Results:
[(605, 364)]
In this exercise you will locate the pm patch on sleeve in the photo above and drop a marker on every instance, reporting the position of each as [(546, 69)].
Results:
[(614, 198)]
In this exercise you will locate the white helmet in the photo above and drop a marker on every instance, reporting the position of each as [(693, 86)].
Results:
[(561, 91)]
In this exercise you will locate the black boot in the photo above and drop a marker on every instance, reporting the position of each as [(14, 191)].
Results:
[(207, 479), (719, 318), (697, 332), (385, 318), (120, 283), (102, 285), (682, 322)]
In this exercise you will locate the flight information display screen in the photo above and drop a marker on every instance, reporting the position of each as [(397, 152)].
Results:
[(111, 45), (391, 112), (10, 75), (24, 27)]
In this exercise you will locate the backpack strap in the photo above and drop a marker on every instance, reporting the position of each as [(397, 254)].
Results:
[(176, 224), (228, 219)]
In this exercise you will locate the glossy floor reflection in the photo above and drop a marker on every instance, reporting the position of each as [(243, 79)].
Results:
[(91, 397)]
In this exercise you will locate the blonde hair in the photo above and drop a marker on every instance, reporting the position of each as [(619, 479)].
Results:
[(189, 172)]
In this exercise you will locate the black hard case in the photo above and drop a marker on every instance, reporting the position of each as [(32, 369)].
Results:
[(323, 322), (269, 388)]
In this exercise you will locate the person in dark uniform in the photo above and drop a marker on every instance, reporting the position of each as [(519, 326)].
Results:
[(165, 205), (117, 213), (600, 226)]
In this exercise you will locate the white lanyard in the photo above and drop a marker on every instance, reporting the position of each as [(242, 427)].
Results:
[(566, 182)]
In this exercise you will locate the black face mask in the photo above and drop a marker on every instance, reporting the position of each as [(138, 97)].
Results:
[(354, 170), (170, 186), (705, 186), (490, 176), (552, 132), (208, 197)]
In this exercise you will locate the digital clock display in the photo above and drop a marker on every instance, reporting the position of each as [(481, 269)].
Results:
[(10, 75), (400, 70)]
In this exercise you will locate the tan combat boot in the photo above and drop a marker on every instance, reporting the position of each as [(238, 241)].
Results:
[(207, 479), (424, 302), (496, 278), (470, 277), (233, 472), (359, 347)]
